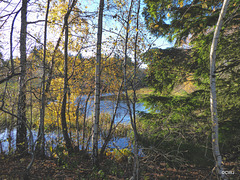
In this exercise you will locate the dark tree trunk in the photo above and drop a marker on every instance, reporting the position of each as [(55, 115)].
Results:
[(22, 143), (97, 85), (41, 134), (84, 121), (134, 125), (65, 90)]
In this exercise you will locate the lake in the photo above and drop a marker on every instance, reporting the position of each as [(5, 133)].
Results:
[(107, 105)]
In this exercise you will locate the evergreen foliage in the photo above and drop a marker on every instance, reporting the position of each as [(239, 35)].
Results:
[(186, 119)]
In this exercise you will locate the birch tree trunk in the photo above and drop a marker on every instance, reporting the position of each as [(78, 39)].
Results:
[(97, 84), (213, 96), (22, 144)]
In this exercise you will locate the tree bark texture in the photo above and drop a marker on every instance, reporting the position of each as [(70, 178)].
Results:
[(22, 144), (65, 92), (42, 110), (97, 85), (66, 88), (213, 96), (84, 120), (134, 125)]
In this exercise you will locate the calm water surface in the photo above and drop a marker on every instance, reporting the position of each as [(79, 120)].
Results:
[(106, 106)]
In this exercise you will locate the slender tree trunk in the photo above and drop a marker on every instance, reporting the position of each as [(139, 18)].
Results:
[(213, 96), (65, 89), (10, 130), (41, 134), (11, 43), (22, 144), (97, 85), (50, 74), (134, 126), (125, 62), (31, 105), (84, 120), (108, 137), (77, 122), (132, 116), (68, 112)]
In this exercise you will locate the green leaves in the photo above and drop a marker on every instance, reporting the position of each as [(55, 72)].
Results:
[(166, 68), (179, 19)]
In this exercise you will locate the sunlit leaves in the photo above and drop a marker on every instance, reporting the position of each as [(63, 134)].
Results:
[(180, 3), (204, 5)]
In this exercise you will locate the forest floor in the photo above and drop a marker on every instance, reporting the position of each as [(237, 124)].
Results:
[(80, 167)]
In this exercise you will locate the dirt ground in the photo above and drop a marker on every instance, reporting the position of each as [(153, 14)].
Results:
[(78, 167)]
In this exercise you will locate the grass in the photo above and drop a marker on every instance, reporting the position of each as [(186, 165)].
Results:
[(141, 92)]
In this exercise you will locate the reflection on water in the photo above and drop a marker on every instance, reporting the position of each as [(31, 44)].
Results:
[(52, 138), (107, 106)]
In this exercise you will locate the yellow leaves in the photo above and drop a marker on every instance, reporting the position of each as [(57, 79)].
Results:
[(187, 15), (204, 5), (108, 154), (55, 155), (119, 155), (51, 149), (181, 3), (156, 26), (168, 15)]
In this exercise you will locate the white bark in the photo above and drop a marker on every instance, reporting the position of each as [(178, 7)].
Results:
[(213, 96)]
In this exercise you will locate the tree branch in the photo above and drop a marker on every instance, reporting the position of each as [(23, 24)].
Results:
[(9, 77)]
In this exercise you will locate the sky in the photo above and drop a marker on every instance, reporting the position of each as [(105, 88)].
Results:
[(37, 29)]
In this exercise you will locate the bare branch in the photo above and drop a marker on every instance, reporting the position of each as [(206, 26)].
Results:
[(9, 77)]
